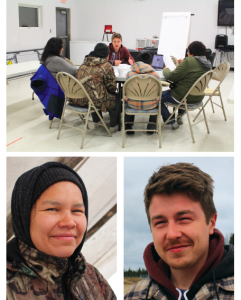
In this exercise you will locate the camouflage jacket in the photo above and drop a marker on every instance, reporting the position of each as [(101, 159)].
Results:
[(101, 86), (142, 290), (36, 275)]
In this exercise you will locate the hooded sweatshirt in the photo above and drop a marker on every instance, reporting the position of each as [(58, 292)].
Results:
[(122, 54), (214, 281), (185, 75), (98, 78)]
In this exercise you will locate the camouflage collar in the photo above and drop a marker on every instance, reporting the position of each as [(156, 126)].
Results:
[(92, 61), (50, 268)]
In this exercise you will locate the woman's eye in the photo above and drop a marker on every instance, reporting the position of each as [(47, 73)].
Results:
[(78, 211), (51, 209)]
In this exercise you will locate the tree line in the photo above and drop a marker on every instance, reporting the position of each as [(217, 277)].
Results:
[(135, 273)]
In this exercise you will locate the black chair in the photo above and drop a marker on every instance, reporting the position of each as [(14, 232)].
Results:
[(134, 53)]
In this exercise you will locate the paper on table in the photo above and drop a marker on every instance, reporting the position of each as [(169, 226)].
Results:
[(168, 62)]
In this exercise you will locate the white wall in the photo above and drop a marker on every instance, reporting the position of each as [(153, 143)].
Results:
[(24, 38), (132, 18)]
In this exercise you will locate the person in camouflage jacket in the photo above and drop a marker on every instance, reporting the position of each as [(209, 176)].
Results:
[(32, 274), (101, 84), (38, 266)]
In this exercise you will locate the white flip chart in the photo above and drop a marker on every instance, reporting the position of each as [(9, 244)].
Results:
[(174, 34)]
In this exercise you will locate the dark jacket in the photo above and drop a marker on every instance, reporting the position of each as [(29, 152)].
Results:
[(185, 75), (101, 84), (216, 279), (123, 54), (32, 274)]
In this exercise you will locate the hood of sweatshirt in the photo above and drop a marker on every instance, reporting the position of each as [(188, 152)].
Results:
[(141, 68), (219, 264), (205, 63), (94, 61)]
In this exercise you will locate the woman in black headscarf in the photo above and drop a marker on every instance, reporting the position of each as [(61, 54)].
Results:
[(49, 216)]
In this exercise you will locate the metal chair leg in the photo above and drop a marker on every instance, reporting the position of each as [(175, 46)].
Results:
[(51, 123), (123, 124), (225, 118), (83, 136), (190, 126), (205, 119)]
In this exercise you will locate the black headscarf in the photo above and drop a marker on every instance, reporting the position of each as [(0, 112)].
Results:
[(28, 188)]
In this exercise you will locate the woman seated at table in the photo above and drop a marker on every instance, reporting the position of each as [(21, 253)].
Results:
[(53, 60), (118, 53)]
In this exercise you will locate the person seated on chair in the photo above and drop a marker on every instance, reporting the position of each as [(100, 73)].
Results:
[(118, 53), (101, 86), (183, 77), (142, 66), (53, 60)]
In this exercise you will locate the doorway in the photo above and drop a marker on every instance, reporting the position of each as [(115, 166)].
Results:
[(63, 28)]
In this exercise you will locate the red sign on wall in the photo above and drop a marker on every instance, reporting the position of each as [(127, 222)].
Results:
[(62, 0)]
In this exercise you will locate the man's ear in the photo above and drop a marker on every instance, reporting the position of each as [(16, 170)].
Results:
[(212, 223)]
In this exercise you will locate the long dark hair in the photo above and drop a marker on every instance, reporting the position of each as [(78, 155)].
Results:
[(52, 48)]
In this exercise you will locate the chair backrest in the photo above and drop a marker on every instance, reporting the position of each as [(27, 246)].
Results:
[(71, 87), (198, 88), (142, 88), (108, 28), (221, 71)]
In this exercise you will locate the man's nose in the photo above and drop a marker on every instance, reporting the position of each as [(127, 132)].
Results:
[(67, 220), (173, 231)]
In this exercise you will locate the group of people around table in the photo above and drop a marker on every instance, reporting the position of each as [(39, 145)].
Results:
[(101, 85)]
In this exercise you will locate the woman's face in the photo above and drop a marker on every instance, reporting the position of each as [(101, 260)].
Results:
[(57, 220), (116, 44), (61, 50)]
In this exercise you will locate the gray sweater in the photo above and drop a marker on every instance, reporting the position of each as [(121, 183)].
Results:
[(56, 64)]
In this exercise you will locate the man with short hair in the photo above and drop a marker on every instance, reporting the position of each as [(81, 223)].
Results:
[(188, 258), (183, 77)]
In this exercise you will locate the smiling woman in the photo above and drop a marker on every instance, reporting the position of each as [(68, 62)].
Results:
[(49, 216)]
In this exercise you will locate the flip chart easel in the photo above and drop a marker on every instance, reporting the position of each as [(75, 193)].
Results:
[(174, 34)]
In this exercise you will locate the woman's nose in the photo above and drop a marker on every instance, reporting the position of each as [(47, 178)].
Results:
[(67, 221)]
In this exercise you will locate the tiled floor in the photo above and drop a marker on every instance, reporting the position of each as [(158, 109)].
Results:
[(28, 129)]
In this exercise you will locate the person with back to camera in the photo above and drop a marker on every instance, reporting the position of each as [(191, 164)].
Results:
[(142, 66), (183, 77), (53, 60), (49, 209), (187, 258), (98, 78), (118, 53)]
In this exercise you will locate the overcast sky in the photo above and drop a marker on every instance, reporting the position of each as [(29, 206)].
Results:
[(137, 171)]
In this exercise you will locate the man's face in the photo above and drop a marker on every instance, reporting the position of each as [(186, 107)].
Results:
[(116, 44), (180, 231), (58, 221)]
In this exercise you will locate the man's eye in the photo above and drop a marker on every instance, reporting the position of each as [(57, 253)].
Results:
[(160, 222)]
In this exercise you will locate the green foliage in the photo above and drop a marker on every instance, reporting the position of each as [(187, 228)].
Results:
[(231, 240), (133, 273)]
